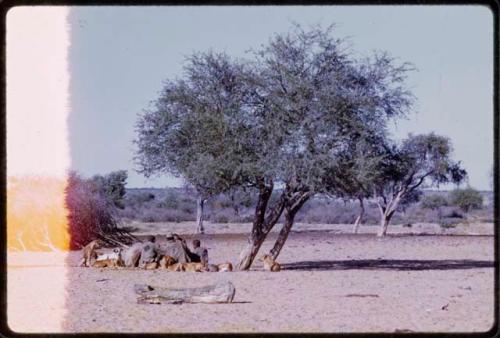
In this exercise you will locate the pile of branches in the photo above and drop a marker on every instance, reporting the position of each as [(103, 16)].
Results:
[(91, 215)]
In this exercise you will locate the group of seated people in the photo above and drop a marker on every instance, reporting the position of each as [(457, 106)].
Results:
[(149, 251), (142, 253), (173, 255)]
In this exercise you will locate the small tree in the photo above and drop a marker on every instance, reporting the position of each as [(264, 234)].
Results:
[(433, 202), (420, 161), (466, 199), (113, 186)]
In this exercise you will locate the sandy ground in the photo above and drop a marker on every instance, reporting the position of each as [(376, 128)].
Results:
[(331, 282)]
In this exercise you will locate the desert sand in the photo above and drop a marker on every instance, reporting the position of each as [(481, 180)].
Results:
[(420, 279)]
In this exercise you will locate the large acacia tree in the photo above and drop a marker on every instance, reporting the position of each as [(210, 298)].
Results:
[(285, 118)]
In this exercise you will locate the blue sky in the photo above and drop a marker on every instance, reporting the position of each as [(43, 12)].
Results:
[(119, 57)]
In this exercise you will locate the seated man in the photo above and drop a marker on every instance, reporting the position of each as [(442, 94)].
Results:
[(176, 248), (199, 254), (148, 251), (140, 253)]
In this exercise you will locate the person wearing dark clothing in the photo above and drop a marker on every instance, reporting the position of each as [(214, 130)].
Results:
[(199, 253)]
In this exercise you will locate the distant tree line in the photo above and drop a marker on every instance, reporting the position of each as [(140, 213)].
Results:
[(179, 205)]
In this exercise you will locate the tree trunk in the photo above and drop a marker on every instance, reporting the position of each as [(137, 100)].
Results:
[(283, 235), (234, 205), (200, 203), (384, 223), (387, 211), (222, 292), (247, 256), (261, 227), (258, 234), (290, 212), (359, 219)]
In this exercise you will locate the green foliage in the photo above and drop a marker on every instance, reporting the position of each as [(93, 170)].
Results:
[(292, 115), (113, 186), (448, 223), (433, 202), (140, 198), (455, 214), (220, 218), (171, 201), (419, 161), (466, 199), (410, 198)]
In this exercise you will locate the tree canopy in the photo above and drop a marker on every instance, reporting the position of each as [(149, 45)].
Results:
[(113, 186)]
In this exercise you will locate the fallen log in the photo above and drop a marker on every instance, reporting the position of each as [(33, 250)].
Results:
[(218, 293)]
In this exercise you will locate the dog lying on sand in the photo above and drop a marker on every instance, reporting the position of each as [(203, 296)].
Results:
[(270, 264)]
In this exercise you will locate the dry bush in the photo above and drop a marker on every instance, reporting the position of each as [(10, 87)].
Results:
[(91, 215)]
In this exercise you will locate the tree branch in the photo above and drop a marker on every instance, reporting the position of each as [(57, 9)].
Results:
[(420, 181)]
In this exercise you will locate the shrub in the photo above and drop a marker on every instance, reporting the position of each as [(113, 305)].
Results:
[(243, 219), (447, 223), (454, 214), (187, 208), (138, 198), (415, 213), (113, 186), (433, 202), (90, 213), (164, 215), (128, 213), (169, 202), (219, 218), (466, 199), (410, 199)]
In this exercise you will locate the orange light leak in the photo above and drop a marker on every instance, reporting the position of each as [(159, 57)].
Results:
[(37, 69), (36, 214)]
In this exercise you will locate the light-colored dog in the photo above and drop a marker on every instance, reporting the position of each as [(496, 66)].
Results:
[(110, 262), (193, 267), (225, 267), (176, 267), (150, 266), (166, 261), (110, 255), (89, 253), (270, 264)]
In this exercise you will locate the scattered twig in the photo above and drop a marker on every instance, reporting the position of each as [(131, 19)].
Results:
[(361, 295)]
